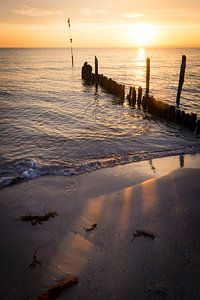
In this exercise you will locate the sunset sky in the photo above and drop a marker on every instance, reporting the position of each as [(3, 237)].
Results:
[(105, 23)]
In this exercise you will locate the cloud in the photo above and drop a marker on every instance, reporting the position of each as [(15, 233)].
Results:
[(35, 12), (132, 15), (89, 12)]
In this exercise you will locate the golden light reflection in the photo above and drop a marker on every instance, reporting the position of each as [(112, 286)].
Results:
[(139, 66), (148, 195), (141, 53), (125, 210), (93, 210), (75, 249), (77, 253)]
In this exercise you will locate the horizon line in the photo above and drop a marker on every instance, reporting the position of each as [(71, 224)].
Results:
[(128, 47)]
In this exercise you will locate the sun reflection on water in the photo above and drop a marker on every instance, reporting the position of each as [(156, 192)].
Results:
[(141, 53), (139, 67)]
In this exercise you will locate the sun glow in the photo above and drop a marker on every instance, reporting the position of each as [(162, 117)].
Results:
[(143, 34)]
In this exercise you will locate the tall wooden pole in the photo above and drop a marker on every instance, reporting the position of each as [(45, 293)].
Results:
[(96, 71), (181, 79), (147, 74)]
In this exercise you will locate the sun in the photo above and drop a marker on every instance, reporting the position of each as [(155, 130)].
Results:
[(143, 34)]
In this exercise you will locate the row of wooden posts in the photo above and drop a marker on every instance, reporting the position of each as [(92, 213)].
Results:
[(171, 113), (106, 83), (132, 96), (149, 104)]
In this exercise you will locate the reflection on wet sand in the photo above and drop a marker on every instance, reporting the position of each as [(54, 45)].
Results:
[(152, 166), (75, 248), (181, 159)]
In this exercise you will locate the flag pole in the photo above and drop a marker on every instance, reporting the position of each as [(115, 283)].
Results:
[(69, 24)]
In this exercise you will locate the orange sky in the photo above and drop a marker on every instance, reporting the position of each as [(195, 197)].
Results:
[(122, 23)]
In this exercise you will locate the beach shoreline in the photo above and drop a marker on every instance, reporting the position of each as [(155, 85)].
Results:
[(160, 196)]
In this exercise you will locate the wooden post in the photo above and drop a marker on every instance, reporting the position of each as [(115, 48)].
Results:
[(89, 73), (147, 74), (84, 68), (177, 116), (139, 96), (133, 97), (197, 130), (130, 95), (193, 119), (171, 115), (150, 105), (186, 120), (96, 71), (181, 79), (182, 117), (165, 110), (145, 101)]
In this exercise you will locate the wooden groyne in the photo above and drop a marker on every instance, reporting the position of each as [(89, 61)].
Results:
[(108, 84), (87, 74), (170, 113), (132, 97), (158, 109)]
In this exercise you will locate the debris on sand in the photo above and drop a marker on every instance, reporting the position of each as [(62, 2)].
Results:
[(53, 291), (34, 220), (35, 261), (92, 227), (145, 233)]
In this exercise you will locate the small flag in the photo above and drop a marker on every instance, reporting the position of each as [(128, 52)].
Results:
[(68, 21)]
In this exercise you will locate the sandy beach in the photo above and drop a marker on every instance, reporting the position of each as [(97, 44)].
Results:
[(160, 196)]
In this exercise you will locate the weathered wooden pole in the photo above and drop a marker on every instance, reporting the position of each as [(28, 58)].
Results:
[(181, 79), (133, 102), (197, 130), (130, 95), (147, 74), (84, 67), (96, 71), (139, 97)]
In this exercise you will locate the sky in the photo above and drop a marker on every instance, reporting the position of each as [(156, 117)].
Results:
[(103, 23)]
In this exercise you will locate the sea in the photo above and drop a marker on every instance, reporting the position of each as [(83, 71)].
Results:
[(52, 123)]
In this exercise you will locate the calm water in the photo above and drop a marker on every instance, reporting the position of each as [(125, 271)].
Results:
[(51, 123)]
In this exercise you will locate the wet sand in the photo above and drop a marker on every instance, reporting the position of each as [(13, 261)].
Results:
[(157, 196)]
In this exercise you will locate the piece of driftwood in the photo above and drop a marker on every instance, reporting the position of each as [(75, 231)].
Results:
[(144, 233), (53, 291), (34, 220), (92, 227)]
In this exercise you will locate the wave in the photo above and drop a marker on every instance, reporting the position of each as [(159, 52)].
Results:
[(25, 169)]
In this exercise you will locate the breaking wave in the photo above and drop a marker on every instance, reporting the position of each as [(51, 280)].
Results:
[(25, 169)]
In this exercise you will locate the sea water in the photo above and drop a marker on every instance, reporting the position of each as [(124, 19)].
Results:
[(51, 122)]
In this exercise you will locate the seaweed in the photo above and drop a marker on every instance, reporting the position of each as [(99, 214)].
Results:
[(94, 225), (144, 233), (35, 261), (34, 220), (53, 291)]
